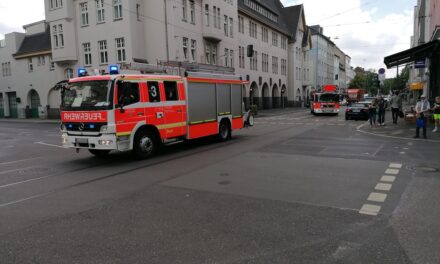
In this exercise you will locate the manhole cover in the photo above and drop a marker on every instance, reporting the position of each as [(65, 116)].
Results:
[(425, 169)]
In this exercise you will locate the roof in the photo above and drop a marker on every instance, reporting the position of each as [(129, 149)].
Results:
[(413, 54), (35, 43)]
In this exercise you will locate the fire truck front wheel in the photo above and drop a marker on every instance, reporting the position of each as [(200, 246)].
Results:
[(224, 132), (145, 144)]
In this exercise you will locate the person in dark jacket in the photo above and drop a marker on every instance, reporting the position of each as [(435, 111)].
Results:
[(396, 106), (381, 106)]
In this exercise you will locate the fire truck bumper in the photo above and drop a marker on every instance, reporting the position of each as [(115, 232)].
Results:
[(326, 111), (103, 142)]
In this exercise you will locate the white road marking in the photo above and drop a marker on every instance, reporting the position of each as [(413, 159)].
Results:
[(8, 171), (388, 178), (383, 187), (402, 153), (377, 197), (20, 182), (369, 209), (395, 165), (50, 145), (410, 143), (16, 161), (392, 171)]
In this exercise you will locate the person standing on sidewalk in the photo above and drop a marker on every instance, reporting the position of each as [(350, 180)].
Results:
[(436, 110), (422, 107), (372, 112), (381, 105), (396, 106)]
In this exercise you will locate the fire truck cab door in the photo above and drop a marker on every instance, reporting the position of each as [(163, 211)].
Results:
[(130, 110), (174, 110), (154, 113)]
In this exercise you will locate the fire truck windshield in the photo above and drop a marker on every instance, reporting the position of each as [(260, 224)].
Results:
[(88, 95), (328, 98)]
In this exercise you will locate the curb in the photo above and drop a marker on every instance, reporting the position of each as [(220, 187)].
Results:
[(359, 129)]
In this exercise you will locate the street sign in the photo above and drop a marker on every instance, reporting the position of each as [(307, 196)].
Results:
[(381, 71), (420, 64)]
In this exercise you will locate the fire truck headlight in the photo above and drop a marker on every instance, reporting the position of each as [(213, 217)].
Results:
[(105, 142), (103, 129), (64, 138)]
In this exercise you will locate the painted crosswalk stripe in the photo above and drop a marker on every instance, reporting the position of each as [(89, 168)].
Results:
[(392, 171), (370, 209), (377, 197), (395, 165), (388, 178), (383, 187)]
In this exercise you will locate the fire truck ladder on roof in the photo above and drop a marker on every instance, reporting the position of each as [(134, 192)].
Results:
[(176, 68)]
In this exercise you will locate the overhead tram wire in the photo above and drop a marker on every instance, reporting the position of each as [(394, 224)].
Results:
[(346, 11)]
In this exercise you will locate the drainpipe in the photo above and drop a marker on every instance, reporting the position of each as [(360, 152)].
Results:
[(166, 30)]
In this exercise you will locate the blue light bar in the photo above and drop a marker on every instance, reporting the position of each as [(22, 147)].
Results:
[(92, 126), (114, 69), (82, 72), (70, 126)]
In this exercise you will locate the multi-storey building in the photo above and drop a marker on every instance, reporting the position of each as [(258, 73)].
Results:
[(97, 33)]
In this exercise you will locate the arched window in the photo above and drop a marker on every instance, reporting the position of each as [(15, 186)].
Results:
[(69, 73)]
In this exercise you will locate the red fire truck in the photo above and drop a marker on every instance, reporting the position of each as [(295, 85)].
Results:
[(141, 112), (326, 102), (355, 95)]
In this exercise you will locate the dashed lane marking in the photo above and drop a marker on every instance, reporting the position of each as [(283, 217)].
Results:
[(377, 197), (392, 171), (50, 145), (369, 209), (383, 187), (388, 178), (395, 165)]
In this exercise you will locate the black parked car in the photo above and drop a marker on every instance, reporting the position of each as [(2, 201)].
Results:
[(357, 111)]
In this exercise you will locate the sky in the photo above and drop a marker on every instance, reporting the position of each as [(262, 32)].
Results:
[(366, 30)]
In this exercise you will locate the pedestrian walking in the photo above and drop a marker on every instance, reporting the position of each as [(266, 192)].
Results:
[(396, 106), (381, 106), (436, 110), (372, 112), (422, 107)]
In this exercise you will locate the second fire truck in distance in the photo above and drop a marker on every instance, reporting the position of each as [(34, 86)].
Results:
[(326, 102), (141, 112)]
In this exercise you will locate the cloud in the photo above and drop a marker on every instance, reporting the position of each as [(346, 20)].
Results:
[(356, 27), (15, 14)]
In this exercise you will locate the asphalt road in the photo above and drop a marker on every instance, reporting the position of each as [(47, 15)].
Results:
[(295, 188)]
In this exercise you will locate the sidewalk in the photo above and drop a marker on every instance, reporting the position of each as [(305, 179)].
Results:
[(402, 129), (30, 120)]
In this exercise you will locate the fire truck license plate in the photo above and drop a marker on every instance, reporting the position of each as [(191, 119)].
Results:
[(82, 141)]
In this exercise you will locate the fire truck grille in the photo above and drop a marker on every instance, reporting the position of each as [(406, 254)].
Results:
[(328, 106), (86, 127)]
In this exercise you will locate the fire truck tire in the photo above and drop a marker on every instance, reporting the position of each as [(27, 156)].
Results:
[(145, 144), (224, 131), (99, 152), (250, 120)]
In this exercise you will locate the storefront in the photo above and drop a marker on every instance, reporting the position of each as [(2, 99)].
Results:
[(430, 51)]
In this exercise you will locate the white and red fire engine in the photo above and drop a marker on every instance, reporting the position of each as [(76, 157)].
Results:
[(326, 102), (140, 112)]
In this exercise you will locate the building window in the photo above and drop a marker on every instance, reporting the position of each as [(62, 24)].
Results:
[(103, 53), (100, 11), (30, 65), (218, 18), (274, 39), (184, 12), (117, 9), (240, 24), (226, 55), (207, 15), (41, 60), (60, 36), (6, 69), (231, 27), (275, 65), (87, 54), (69, 73), (51, 64), (53, 4), (231, 58), (192, 11), (254, 61), (265, 62), (265, 34), (193, 49), (253, 4), (283, 42), (214, 11), (210, 53), (55, 37), (185, 48), (84, 14), (283, 67), (241, 57), (225, 26), (120, 50), (252, 29)]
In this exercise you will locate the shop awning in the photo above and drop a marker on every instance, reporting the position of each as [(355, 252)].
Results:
[(413, 54), (416, 86)]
